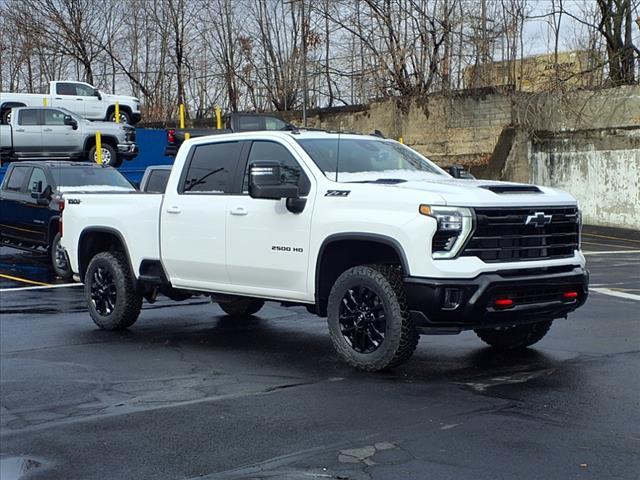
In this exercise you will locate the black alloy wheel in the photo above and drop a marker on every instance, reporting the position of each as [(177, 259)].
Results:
[(362, 319), (103, 291)]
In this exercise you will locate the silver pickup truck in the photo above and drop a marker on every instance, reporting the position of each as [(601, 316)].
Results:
[(55, 133)]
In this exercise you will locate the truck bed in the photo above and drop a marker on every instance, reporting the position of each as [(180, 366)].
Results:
[(134, 214)]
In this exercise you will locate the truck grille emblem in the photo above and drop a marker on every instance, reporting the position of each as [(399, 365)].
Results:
[(538, 219)]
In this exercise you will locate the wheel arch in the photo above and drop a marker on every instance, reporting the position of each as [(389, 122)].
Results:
[(94, 240), (91, 141), (9, 105), (341, 251), (112, 108)]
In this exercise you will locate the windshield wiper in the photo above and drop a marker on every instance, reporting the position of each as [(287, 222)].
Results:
[(382, 180)]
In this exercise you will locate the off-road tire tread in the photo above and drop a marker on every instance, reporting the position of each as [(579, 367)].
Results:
[(515, 338), (390, 280), (132, 298), (242, 307)]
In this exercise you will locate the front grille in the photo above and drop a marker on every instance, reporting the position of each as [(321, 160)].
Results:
[(502, 235)]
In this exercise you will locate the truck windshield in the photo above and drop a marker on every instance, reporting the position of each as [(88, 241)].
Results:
[(89, 178), (363, 159)]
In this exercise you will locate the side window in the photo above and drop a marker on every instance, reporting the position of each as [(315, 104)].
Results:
[(29, 117), (65, 89), (212, 168), (272, 123), (289, 167), (157, 182), (53, 117), (83, 90), (38, 181), (18, 174), (249, 123)]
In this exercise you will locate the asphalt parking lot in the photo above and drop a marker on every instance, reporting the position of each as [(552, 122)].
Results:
[(189, 393)]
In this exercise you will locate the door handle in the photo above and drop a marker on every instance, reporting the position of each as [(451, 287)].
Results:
[(174, 209), (58, 98), (47, 129), (79, 99), (239, 211), (19, 129)]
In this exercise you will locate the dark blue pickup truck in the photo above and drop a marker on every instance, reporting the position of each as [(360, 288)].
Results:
[(31, 203)]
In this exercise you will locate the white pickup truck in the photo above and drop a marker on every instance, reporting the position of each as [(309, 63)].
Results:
[(78, 97), (360, 229)]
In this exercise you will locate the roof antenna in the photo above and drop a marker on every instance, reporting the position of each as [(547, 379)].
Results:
[(338, 157)]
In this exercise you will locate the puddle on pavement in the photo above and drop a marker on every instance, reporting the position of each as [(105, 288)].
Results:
[(14, 468)]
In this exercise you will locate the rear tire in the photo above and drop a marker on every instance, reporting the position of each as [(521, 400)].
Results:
[(59, 259), (5, 118), (369, 323), (109, 289), (109, 156), (515, 337), (242, 307)]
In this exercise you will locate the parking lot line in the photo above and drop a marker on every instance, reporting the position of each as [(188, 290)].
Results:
[(610, 237), (608, 252), (615, 293), (40, 287), (23, 280)]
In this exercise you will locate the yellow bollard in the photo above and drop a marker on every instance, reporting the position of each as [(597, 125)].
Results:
[(117, 112), (401, 140), (187, 136), (182, 115), (218, 117), (44, 101), (98, 148)]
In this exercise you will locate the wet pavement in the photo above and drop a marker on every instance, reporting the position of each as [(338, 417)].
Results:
[(190, 393)]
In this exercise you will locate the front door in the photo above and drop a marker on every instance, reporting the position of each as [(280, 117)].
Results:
[(56, 136), (36, 217), (67, 96), (193, 217), (267, 245)]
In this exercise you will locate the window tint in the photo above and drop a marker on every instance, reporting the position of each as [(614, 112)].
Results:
[(29, 117), (84, 90), (53, 117), (16, 179), (212, 168), (157, 182), (38, 181), (65, 89), (247, 123), (272, 123), (289, 168)]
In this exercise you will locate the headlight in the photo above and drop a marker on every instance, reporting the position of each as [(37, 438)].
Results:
[(454, 227)]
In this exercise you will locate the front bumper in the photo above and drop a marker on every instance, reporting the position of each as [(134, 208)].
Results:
[(128, 150), (454, 305)]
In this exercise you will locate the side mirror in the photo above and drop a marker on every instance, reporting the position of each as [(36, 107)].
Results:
[(42, 197), (69, 120), (458, 171), (96, 93), (265, 181)]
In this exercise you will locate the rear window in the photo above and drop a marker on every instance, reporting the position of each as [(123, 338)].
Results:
[(212, 168), (89, 178), (157, 182)]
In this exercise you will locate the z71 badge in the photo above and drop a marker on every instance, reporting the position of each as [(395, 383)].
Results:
[(337, 193)]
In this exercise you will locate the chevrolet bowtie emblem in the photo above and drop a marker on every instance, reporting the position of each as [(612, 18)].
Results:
[(538, 219)]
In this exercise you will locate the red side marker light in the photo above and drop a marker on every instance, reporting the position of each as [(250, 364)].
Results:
[(570, 295), (503, 302)]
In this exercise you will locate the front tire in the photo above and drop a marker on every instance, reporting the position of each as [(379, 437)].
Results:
[(59, 259), (109, 289), (109, 156), (369, 323), (515, 337), (242, 307)]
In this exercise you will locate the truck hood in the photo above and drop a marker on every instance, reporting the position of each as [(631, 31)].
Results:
[(473, 193), (121, 98)]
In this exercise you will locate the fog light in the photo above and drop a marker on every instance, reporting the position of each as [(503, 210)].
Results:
[(503, 303), (452, 298)]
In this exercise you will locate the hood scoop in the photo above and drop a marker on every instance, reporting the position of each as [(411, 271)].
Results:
[(511, 189)]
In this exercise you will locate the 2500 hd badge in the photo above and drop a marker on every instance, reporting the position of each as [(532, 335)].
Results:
[(280, 248)]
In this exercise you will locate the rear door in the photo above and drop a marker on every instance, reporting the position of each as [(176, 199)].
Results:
[(267, 245), (56, 136), (27, 133), (193, 217)]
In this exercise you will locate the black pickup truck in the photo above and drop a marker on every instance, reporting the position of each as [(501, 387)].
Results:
[(233, 122), (31, 203)]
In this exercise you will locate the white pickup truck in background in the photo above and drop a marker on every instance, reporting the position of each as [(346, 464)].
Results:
[(360, 229), (78, 97)]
